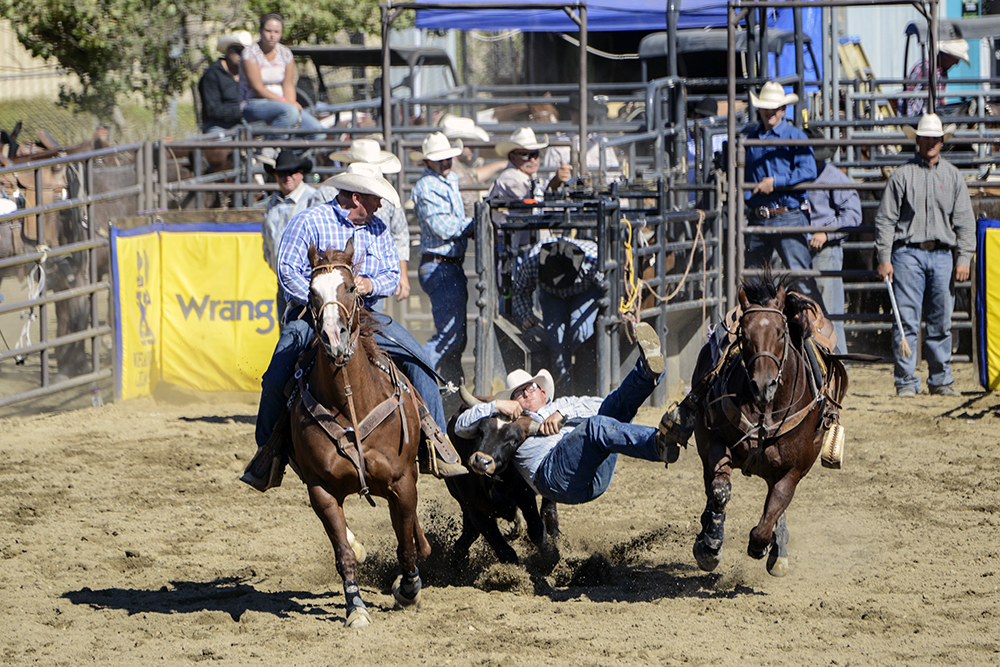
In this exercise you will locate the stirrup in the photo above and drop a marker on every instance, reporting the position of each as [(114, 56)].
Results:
[(832, 453), (267, 467), (437, 439)]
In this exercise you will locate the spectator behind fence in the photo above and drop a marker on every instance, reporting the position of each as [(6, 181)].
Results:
[(597, 112), (949, 53), (444, 234), (267, 84), (572, 459), (369, 151), (924, 222), (569, 287), (472, 170), (294, 195), (831, 208), (772, 167), (219, 86)]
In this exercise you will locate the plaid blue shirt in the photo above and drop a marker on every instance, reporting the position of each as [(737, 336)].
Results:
[(444, 227), (526, 276), (327, 226)]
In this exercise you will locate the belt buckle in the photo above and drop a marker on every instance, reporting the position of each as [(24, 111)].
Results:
[(763, 212), (927, 246)]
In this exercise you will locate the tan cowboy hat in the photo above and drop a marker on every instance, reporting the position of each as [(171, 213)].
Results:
[(930, 126), (366, 179), (523, 138), (370, 152), (772, 96), (457, 127), (436, 147), (520, 377), (240, 37), (955, 47)]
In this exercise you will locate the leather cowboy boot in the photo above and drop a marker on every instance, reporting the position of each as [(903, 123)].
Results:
[(267, 467), (438, 457)]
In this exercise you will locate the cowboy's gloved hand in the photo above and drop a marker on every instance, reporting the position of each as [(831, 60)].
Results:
[(509, 408), (529, 322), (552, 424), (364, 286)]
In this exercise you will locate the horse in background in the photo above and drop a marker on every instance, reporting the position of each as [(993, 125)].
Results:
[(772, 396), (355, 428)]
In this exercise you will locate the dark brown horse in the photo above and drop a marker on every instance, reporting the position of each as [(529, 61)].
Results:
[(355, 429), (765, 413)]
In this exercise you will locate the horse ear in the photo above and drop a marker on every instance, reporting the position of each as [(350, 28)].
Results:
[(782, 293), (349, 248), (313, 255), (744, 301)]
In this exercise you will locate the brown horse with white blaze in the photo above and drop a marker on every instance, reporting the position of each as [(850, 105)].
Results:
[(355, 429), (771, 400)]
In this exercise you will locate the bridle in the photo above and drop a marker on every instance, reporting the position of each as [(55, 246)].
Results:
[(349, 315), (748, 363)]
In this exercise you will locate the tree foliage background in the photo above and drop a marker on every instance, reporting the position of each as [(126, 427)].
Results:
[(155, 49)]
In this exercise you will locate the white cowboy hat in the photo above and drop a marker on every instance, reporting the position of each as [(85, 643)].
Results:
[(772, 96), (436, 147), (930, 126), (369, 151), (955, 47), (457, 127), (366, 179), (240, 37), (524, 138), (520, 377)]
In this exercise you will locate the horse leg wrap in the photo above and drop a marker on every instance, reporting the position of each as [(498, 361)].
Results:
[(713, 530), (356, 611), (406, 588)]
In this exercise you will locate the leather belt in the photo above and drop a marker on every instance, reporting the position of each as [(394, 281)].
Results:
[(441, 259), (929, 245), (765, 213)]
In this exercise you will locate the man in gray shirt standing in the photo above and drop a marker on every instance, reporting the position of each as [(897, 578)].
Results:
[(926, 235)]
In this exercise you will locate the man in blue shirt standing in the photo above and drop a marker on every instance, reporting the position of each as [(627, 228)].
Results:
[(444, 233), (771, 168), (349, 216)]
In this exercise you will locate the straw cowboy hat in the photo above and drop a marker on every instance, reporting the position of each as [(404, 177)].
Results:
[(436, 147), (239, 38), (955, 47), (520, 377), (772, 96), (369, 151), (523, 138), (366, 179), (930, 126), (287, 160), (457, 127)]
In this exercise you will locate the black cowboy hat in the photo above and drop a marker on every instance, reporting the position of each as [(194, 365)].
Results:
[(559, 264), (287, 160)]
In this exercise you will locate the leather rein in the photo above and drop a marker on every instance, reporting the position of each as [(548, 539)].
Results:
[(347, 446)]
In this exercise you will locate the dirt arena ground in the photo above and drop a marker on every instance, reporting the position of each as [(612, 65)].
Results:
[(126, 539)]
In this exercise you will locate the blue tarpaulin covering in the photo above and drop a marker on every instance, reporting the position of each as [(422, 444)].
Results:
[(602, 15)]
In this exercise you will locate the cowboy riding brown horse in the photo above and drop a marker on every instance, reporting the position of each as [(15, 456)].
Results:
[(355, 429), (771, 405)]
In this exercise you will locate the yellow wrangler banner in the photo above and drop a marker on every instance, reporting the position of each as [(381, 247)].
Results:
[(986, 294), (194, 307)]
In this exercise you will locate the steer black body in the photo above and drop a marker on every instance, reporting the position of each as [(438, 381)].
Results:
[(484, 499)]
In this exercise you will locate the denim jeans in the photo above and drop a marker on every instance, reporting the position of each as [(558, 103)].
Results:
[(922, 284), (568, 322), (282, 114), (447, 288), (831, 258), (792, 249), (580, 468), (394, 340)]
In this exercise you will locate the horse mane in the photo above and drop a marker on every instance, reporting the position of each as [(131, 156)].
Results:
[(760, 290)]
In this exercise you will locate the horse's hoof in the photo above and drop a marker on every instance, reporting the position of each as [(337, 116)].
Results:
[(707, 559), (359, 618), (402, 600), (777, 567), (757, 555)]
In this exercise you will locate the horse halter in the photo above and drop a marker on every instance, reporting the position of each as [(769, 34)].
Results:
[(322, 269), (780, 363)]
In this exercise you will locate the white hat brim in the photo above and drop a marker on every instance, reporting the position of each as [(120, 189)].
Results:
[(504, 147), (543, 380), (437, 156), (789, 98), (387, 162), (946, 134), (365, 185)]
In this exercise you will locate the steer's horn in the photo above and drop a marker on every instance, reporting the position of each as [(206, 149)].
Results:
[(467, 398), (533, 427)]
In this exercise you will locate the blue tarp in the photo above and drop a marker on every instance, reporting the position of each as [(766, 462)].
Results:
[(602, 15)]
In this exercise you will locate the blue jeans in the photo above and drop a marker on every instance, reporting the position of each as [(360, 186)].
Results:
[(792, 249), (447, 288), (394, 340), (580, 468), (922, 283), (568, 322), (831, 258), (281, 114)]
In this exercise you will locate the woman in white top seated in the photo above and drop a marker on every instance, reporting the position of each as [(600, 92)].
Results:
[(267, 82)]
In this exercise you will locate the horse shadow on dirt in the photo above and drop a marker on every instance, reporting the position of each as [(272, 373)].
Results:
[(231, 595), (221, 419), (967, 410)]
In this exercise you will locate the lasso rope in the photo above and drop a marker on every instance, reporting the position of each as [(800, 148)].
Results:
[(36, 288), (629, 304)]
